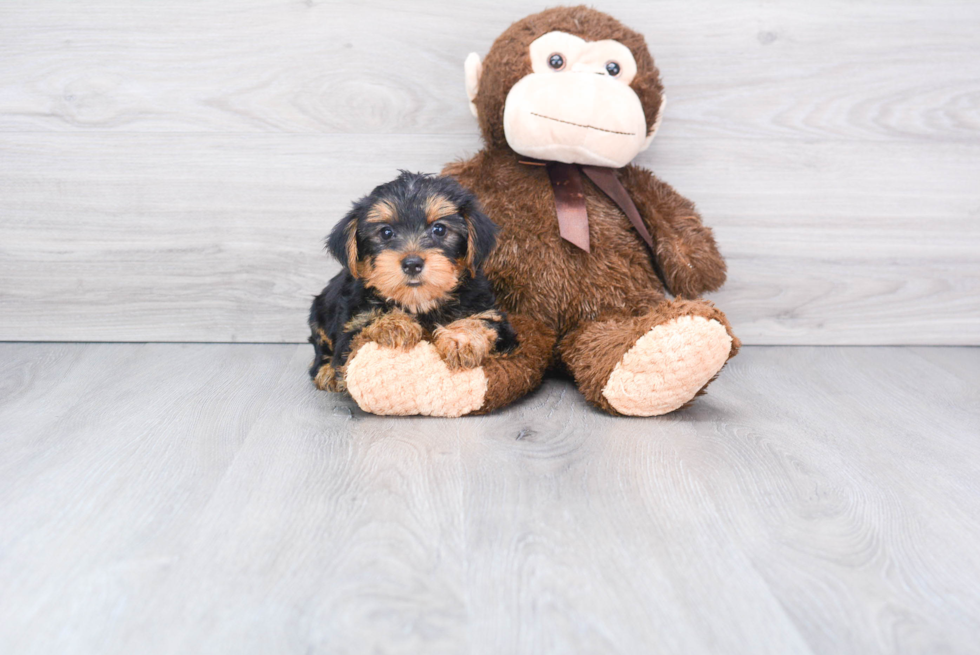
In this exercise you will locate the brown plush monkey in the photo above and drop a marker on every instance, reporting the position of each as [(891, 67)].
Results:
[(566, 98)]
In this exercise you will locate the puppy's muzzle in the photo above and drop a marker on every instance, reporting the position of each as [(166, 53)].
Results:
[(413, 265)]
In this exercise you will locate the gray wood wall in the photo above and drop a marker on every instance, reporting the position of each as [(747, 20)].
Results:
[(168, 169)]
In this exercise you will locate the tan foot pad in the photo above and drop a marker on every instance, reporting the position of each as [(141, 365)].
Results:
[(667, 366), (405, 383)]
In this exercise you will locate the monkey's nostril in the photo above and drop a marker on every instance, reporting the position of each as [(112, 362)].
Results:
[(412, 265)]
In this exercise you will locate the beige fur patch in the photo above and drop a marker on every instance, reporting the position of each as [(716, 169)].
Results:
[(351, 233), (439, 277), (360, 321), (324, 338), (396, 329), (667, 366), (326, 378), (437, 207), (382, 211), (387, 382)]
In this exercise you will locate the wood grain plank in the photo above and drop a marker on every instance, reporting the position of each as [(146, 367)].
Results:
[(843, 474), (818, 500), (952, 361), (106, 450), (787, 70), (410, 535), (336, 532), (218, 238), (614, 546)]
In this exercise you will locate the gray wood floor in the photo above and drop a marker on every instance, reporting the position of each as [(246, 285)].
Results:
[(204, 498)]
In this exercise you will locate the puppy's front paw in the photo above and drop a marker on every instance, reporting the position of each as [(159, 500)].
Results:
[(464, 343), (326, 379), (395, 330)]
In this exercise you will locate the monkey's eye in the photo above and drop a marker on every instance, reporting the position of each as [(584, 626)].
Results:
[(612, 68), (386, 233), (556, 61), (439, 230)]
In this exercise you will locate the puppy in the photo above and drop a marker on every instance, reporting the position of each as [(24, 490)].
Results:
[(412, 252)]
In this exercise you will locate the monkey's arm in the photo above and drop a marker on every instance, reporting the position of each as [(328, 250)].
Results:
[(686, 249)]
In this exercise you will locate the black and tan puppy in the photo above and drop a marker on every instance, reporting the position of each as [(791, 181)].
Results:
[(412, 253)]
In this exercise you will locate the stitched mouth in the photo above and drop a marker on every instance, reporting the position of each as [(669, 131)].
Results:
[(591, 127)]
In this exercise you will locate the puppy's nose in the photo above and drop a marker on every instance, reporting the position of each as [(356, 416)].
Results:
[(412, 265)]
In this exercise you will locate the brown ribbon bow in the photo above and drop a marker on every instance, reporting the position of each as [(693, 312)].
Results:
[(573, 219)]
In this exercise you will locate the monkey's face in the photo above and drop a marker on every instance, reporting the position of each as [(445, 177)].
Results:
[(413, 239), (568, 84), (577, 105)]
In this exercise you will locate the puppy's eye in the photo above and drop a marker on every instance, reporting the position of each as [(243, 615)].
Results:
[(556, 61), (439, 230), (612, 68), (386, 233)]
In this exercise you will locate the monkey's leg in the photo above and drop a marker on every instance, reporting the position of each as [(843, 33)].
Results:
[(651, 364), (396, 382), (519, 372)]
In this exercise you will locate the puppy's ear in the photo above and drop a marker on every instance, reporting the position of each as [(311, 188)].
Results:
[(481, 235), (342, 242)]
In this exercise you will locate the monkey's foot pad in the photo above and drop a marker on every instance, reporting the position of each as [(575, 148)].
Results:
[(406, 383), (667, 366)]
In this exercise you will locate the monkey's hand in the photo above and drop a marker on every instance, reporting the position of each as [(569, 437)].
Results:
[(464, 343), (686, 249), (395, 329)]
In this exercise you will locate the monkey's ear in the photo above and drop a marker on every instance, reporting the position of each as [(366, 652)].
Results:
[(656, 122), (474, 69), (481, 236), (342, 242)]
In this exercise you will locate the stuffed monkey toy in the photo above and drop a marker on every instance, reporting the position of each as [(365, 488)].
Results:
[(590, 245)]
